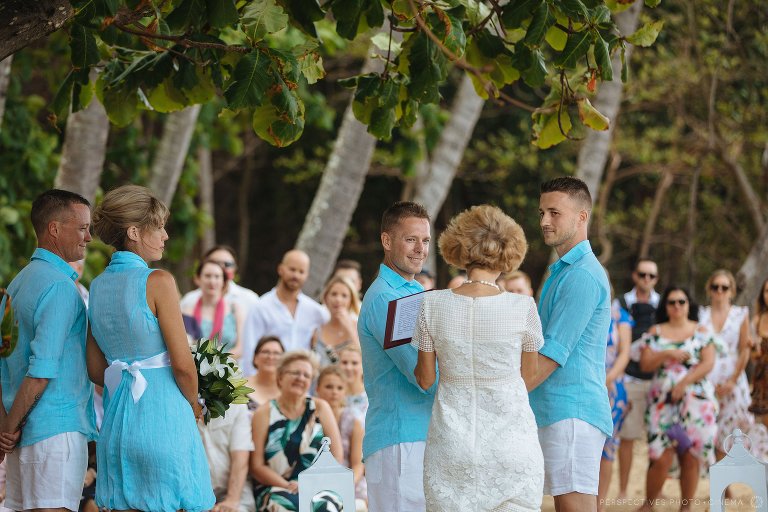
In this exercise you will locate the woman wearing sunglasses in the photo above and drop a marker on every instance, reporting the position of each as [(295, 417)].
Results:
[(730, 324), (682, 404)]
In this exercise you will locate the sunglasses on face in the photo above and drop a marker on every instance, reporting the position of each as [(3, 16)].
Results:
[(719, 287), (646, 275), (679, 302)]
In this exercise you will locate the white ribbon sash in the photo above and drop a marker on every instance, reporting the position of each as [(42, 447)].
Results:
[(114, 373)]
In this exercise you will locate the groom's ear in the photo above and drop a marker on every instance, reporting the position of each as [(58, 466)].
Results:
[(386, 241)]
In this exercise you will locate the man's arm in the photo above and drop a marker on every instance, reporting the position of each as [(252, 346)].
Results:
[(238, 470), (405, 356), (54, 317)]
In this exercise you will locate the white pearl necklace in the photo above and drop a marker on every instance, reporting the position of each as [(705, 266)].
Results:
[(480, 281)]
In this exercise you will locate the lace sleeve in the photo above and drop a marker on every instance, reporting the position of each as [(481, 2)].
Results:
[(422, 340), (533, 339)]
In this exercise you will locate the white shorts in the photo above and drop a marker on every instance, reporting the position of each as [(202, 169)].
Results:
[(47, 474), (634, 423), (395, 477), (572, 450)]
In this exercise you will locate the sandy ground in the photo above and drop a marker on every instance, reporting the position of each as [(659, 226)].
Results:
[(741, 501)]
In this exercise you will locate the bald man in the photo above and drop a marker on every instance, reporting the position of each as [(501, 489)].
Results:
[(284, 311)]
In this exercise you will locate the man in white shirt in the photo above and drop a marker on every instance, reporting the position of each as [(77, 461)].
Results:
[(225, 256), (284, 311)]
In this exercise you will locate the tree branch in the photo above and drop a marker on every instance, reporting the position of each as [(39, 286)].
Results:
[(24, 22)]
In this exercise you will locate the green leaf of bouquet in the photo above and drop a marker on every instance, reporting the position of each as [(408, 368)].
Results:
[(250, 81), (647, 34), (576, 48), (240, 400), (603, 59), (263, 17), (83, 47), (428, 67), (222, 13), (540, 24), (303, 14), (550, 133)]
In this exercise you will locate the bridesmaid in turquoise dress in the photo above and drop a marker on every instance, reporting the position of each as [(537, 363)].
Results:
[(149, 453)]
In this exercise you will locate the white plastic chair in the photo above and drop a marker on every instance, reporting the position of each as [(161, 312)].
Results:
[(325, 474), (738, 466)]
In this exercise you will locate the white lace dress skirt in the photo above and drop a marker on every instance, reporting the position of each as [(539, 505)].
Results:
[(482, 451)]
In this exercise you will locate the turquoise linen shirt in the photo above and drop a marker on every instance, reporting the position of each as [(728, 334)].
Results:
[(51, 345), (575, 311), (398, 409)]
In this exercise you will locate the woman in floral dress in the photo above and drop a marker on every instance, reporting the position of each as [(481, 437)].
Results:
[(730, 324), (682, 404)]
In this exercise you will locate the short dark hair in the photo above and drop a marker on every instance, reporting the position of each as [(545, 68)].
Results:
[(399, 211), (348, 264), (199, 269), (220, 247), (50, 204), (661, 312), (574, 187)]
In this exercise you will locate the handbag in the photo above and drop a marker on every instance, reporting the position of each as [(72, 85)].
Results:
[(676, 432)]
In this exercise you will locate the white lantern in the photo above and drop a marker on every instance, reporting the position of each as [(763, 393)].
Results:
[(325, 474), (738, 466)]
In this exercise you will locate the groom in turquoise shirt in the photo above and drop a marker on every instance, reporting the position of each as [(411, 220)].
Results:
[(46, 417), (571, 401), (399, 410)]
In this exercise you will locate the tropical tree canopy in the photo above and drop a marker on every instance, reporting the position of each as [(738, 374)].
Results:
[(164, 55)]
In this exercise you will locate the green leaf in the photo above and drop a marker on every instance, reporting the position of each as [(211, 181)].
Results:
[(311, 66), (63, 98), (204, 90), (617, 6), (603, 59), (540, 24), (83, 47), (591, 117), (513, 14), (250, 81), (574, 9), (121, 103), (276, 126), (222, 13), (428, 68), (576, 48), (166, 98), (556, 38), (647, 34), (383, 42), (303, 14), (601, 15), (652, 3), (447, 25), (536, 73), (624, 66), (550, 133), (347, 14), (382, 123), (263, 17), (190, 13)]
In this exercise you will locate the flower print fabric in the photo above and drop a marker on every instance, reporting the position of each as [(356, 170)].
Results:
[(696, 411)]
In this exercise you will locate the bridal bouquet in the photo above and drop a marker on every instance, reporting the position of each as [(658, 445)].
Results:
[(220, 381)]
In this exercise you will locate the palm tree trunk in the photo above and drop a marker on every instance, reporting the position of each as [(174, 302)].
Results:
[(84, 150), (172, 151), (205, 162), (327, 221), (433, 187), (595, 149), (5, 77)]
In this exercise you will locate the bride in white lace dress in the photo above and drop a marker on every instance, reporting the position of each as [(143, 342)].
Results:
[(482, 450)]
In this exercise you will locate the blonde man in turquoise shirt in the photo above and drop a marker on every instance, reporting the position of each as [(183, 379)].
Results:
[(399, 410), (569, 397), (47, 399)]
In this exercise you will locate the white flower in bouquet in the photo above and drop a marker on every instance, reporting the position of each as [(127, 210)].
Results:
[(220, 380)]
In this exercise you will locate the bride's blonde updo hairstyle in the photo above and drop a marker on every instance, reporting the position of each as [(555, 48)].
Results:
[(126, 206), (483, 237)]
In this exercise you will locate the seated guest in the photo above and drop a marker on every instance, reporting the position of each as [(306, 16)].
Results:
[(340, 297), (683, 407), (228, 444), (288, 433), (331, 387), (351, 363), (213, 315), (269, 350)]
